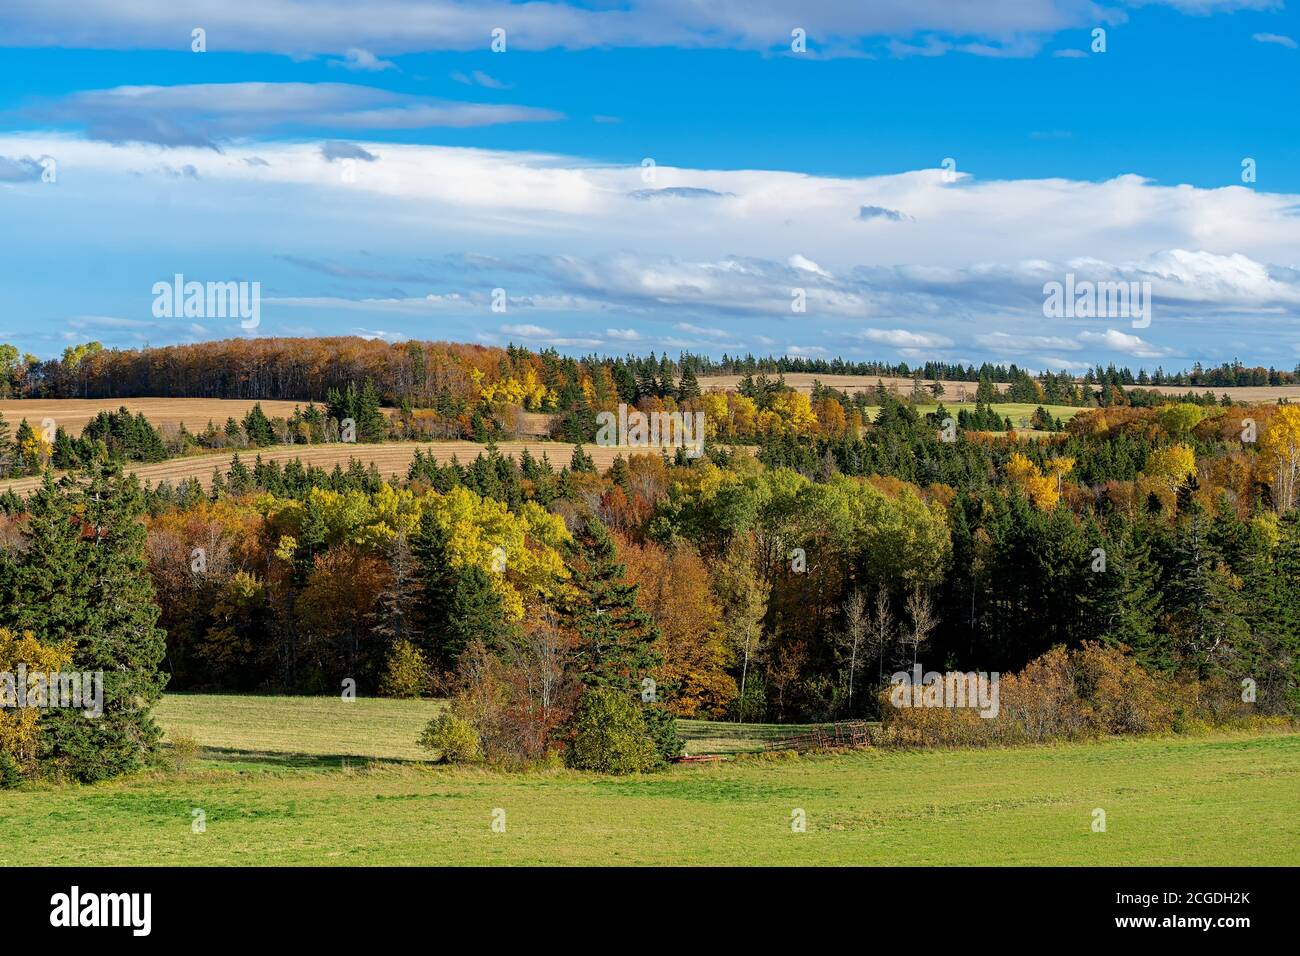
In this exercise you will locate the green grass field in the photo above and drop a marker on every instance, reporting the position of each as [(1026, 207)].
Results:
[(1019, 412), (285, 781)]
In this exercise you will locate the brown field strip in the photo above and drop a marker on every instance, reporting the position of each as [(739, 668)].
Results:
[(391, 458), (803, 382), (72, 414), (952, 390)]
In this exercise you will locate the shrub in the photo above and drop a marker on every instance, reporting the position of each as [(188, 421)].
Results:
[(1118, 696), (661, 727), (406, 672), (185, 748), (609, 735), (1089, 692), (454, 738), (10, 774)]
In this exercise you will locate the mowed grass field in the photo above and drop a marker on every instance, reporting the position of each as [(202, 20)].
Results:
[(1018, 412), (274, 789)]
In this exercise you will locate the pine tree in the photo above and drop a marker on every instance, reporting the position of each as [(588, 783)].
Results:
[(646, 385), (666, 385), (1271, 655), (258, 427), (395, 614), (7, 455), (239, 478), (689, 387), (615, 637), (86, 579), (457, 603), (1126, 604), (1207, 616), (372, 425), (581, 461)]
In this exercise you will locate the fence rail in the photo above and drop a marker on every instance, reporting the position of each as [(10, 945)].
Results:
[(716, 737)]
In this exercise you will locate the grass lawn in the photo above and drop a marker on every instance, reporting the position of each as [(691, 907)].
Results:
[(274, 789), (1016, 411)]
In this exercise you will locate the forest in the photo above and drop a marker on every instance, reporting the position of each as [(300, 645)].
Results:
[(781, 580)]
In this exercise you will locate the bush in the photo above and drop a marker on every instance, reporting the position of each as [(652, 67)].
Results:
[(406, 672), (661, 727), (10, 775), (610, 735), (184, 749), (454, 738), (1086, 693)]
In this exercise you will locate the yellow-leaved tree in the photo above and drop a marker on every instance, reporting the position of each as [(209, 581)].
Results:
[(1042, 489), (19, 726), (1279, 450)]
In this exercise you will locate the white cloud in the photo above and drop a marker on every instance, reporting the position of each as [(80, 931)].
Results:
[(704, 332), (1279, 39), (902, 338), (307, 27), (207, 114), (363, 60), (568, 242), (527, 331), (1013, 344), (804, 264), (479, 78), (1116, 341)]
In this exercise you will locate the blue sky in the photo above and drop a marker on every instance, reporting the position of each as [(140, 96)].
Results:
[(381, 172)]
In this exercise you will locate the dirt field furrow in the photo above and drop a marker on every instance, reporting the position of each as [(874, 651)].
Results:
[(390, 458)]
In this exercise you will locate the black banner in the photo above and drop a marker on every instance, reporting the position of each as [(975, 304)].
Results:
[(333, 905)]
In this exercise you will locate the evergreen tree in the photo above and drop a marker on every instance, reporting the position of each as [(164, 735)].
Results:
[(1271, 655), (7, 455), (84, 578), (372, 424), (666, 385), (689, 386), (581, 461), (1126, 602), (646, 386), (615, 637), (396, 608), (1207, 610), (457, 603), (258, 427)]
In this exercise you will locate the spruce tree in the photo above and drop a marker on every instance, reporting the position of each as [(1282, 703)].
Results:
[(1126, 600), (258, 427), (456, 603), (1207, 610), (1271, 655), (689, 386), (84, 577), (372, 425), (6, 449), (615, 637)]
